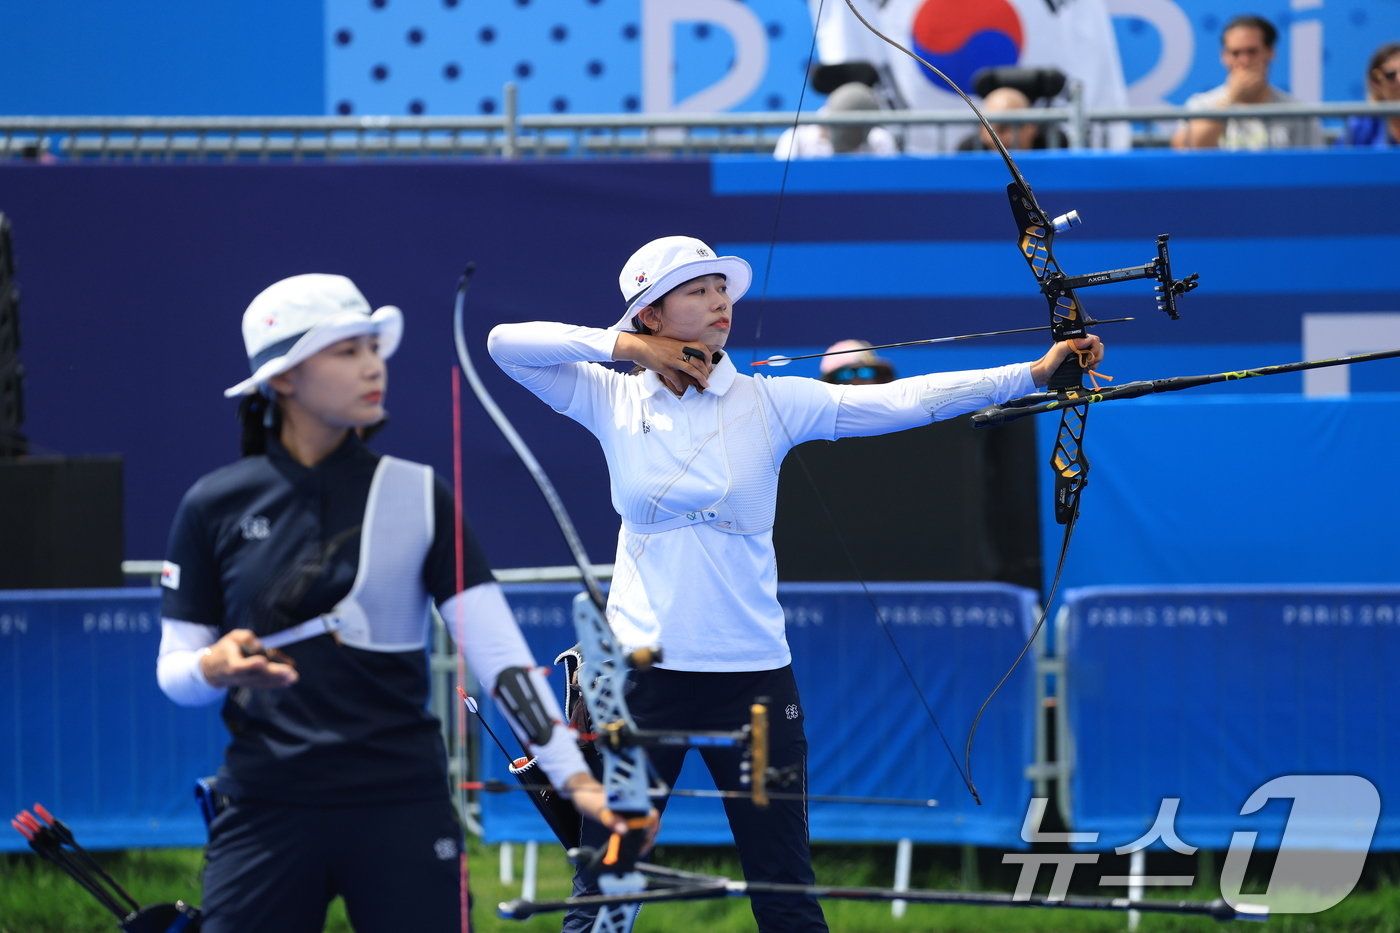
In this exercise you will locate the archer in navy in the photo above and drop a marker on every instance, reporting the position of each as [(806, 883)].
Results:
[(297, 590)]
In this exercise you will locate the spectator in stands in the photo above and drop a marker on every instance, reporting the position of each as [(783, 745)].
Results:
[(1246, 51), (296, 592), (38, 152), (1382, 86), (814, 141), (854, 364), (1013, 135), (693, 448)]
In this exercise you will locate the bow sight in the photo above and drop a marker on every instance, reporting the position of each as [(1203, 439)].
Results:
[(1058, 288)]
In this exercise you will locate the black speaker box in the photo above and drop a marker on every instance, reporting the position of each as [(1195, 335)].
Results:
[(941, 502), (60, 523)]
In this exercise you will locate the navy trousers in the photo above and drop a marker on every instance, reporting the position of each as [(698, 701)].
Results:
[(773, 841), (275, 869)]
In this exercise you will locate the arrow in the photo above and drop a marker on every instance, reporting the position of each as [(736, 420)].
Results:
[(780, 360)]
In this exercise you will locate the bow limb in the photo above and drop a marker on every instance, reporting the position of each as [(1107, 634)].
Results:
[(1035, 232), (602, 679), (626, 767), (522, 450)]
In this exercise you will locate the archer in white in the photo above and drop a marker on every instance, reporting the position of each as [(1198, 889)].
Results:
[(693, 449)]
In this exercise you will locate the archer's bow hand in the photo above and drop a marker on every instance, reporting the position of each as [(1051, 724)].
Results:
[(614, 868), (1089, 348), (590, 800)]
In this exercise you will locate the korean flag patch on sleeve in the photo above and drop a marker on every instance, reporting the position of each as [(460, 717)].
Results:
[(170, 575)]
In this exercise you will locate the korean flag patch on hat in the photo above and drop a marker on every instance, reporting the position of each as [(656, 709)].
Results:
[(662, 264), (300, 316)]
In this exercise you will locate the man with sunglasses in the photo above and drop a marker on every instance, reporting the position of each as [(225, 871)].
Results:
[(1246, 51), (1382, 86), (854, 364)]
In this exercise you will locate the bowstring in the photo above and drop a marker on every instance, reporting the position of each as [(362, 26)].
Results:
[(1074, 514), (963, 774), (1030, 640), (783, 180), (981, 117)]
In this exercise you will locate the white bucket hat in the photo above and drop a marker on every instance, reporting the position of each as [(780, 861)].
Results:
[(662, 264), (299, 317)]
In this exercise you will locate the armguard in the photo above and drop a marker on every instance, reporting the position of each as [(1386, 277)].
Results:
[(518, 693)]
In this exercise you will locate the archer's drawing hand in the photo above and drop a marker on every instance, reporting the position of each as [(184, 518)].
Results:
[(239, 660), (667, 357)]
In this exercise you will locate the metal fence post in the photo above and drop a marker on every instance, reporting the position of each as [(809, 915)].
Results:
[(510, 98)]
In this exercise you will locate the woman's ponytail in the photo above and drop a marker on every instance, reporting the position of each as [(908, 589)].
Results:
[(258, 414)]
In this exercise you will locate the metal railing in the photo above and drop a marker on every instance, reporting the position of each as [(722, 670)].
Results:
[(511, 135), (148, 571)]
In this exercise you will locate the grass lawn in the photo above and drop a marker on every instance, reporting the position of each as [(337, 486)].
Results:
[(35, 897)]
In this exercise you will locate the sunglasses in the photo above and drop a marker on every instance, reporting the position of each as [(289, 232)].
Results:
[(851, 373)]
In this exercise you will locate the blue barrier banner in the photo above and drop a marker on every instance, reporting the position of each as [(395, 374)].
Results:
[(85, 730), (867, 731), (1204, 485), (1205, 694)]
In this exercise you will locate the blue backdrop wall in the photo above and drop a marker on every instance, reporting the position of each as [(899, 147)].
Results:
[(134, 278)]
